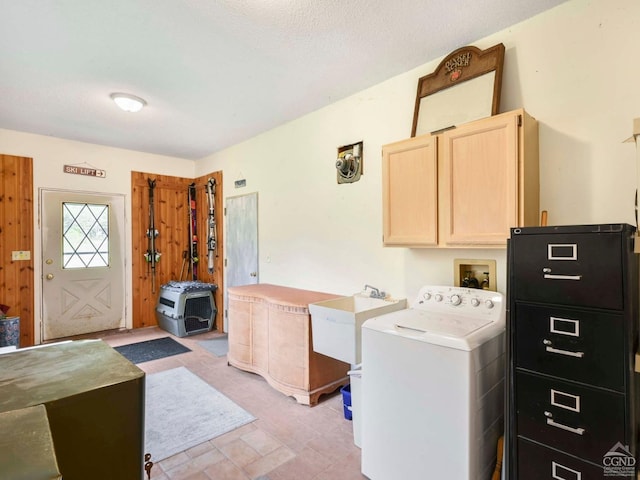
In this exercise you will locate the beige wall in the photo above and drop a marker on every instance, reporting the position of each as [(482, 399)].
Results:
[(573, 68)]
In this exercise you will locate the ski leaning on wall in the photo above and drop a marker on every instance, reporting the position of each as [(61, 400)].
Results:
[(152, 256), (193, 232), (212, 236)]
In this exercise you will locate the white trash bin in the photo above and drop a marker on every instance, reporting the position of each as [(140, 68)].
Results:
[(356, 399)]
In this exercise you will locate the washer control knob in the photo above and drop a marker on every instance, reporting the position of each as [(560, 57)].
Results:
[(488, 303), (475, 302), (438, 297), (456, 299), (427, 296)]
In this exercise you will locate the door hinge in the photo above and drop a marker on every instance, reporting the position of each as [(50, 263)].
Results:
[(225, 262), (519, 120), (225, 211), (226, 313)]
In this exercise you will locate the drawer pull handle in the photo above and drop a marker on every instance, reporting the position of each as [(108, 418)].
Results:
[(553, 423), (569, 353), (552, 276)]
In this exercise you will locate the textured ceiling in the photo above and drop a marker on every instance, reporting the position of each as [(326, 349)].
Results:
[(215, 72)]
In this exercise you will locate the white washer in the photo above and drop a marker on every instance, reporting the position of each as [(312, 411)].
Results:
[(433, 387)]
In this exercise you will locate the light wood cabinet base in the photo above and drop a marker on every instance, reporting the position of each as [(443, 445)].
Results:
[(270, 334), (301, 395)]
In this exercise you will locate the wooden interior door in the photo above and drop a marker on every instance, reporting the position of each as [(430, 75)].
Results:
[(242, 241), (16, 235)]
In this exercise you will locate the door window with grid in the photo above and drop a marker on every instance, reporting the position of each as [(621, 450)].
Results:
[(85, 235)]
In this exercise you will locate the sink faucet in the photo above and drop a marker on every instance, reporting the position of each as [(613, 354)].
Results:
[(375, 293)]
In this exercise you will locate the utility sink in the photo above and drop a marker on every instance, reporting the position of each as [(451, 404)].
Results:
[(337, 324)]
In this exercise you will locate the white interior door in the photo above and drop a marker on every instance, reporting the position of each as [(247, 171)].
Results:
[(83, 272), (241, 242)]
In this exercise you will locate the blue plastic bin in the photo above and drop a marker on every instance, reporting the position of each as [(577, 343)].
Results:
[(346, 401)]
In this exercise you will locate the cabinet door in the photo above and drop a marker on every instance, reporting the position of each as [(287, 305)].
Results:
[(479, 182), (288, 344), (239, 330), (410, 192)]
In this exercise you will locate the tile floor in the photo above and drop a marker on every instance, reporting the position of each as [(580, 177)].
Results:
[(287, 441)]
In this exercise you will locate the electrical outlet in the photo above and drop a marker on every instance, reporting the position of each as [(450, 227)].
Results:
[(18, 255)]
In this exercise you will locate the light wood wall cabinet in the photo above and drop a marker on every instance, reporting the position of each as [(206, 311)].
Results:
[(270, 334), (465, 187)]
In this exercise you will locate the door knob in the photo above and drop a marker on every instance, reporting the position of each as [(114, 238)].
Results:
[(49, 276)]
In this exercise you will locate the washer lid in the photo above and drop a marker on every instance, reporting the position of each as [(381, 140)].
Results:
[(447, 325), (462, 332)]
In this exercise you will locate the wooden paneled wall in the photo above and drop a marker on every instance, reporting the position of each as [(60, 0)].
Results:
[(16, 233), (171, 214)]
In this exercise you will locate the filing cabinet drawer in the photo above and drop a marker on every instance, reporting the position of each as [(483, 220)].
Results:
[(536, 462), (584, 346), (579, 420), (582, 269)]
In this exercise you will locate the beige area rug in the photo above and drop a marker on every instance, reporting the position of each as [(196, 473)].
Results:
[(182, 411)]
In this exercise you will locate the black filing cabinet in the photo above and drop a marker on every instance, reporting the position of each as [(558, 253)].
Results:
[(572, 338)]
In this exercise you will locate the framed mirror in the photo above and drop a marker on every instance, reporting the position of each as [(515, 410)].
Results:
[(465, 86)]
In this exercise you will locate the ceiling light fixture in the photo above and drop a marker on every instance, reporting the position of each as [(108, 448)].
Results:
[(128, 103)]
